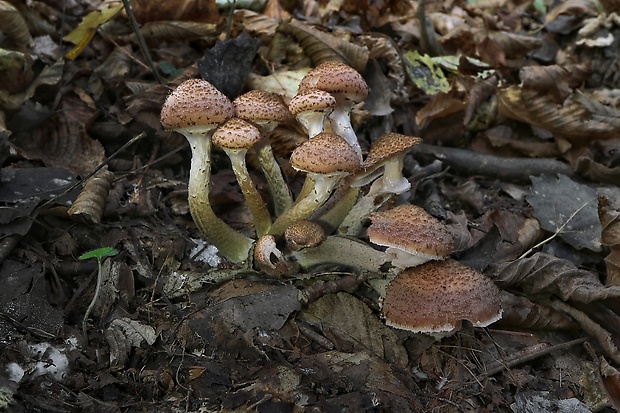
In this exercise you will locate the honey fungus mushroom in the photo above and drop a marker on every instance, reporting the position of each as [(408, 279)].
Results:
[(326, 159), (412, 236), (194, 109), (437, 296), (348, 87)]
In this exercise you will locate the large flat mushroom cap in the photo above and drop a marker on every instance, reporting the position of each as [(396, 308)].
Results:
[(411, 229), (435, 297), (195, 103), (259, 105), (336, 78), (326, 153)]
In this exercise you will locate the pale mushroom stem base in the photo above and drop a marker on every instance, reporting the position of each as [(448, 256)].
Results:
[(278, 188), (231, 244), (307, 206)]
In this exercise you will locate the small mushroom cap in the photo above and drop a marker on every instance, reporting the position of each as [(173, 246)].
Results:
[(411, 229), (312, 100), (326, 153), (336, 78), (388, 146), (236, 134), (435, 297), (195, 103), (303, 234), (260, 106)]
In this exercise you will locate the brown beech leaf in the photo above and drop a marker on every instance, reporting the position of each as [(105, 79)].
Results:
[(348, 322), (169, 31), (441, 105), (609, 214), (322, 47), (176, 10), (521, 312), (63, 140), (555, 79), (572, 120), (13, 27), (543, 274)]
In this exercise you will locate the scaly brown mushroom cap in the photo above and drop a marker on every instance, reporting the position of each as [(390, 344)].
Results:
[(410, 230), (260, 106), (336, 78), (236, 134), (315, 100), (435, 297), (303, 234), (326, 154), (195, 103), (388, 146)]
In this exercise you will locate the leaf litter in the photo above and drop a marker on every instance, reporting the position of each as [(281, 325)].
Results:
[(519, 114)]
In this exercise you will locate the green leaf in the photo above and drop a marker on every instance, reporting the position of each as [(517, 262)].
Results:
[(425, 73), (99, 253)]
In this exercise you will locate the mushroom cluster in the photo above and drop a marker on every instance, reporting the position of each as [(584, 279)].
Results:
[(342, 188)]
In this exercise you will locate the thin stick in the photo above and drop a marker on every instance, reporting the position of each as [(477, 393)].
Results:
[(143, 48)]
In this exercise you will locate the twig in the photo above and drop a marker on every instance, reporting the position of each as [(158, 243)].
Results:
[(529, 354), (509, 169), (143, 48)]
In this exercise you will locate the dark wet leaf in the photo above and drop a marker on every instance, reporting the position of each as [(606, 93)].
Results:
[(544, 274), (568, 208), (227, 64)]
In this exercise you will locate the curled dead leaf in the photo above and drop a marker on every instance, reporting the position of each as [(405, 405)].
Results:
[(91, 201), (609, 214)]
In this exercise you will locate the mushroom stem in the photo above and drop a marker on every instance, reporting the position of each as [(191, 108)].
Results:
[(338, 207), (353, 222), (344, 251), (392, 180), (256, 204), (279, 190), (231, 244), (341, 124), (305, 207)]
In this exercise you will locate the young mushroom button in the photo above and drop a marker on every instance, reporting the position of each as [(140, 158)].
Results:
[(435, 297), (326, 159), (412, 236), (195, 108), (303, 234)]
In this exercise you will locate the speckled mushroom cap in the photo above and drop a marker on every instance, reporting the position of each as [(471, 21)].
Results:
[(388, 146), (326, 153), (336, 78), (195, 103), (303, 234), (311, 100), (411, 229), (435, 297), (259, 105), (236, 134)]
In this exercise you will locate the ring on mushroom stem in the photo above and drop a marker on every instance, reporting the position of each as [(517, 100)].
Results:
[(311, 107), (435, 297), (412, 235), (348, 88), (326, 159), (194, 109), (236, 136), (266, 111)]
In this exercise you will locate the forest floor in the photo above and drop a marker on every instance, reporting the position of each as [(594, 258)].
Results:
[(112, 300)]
